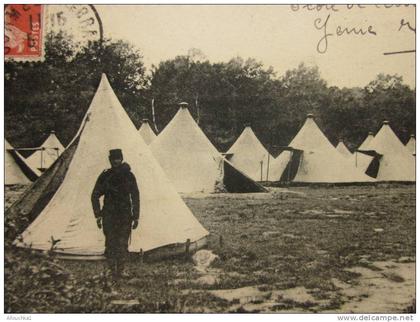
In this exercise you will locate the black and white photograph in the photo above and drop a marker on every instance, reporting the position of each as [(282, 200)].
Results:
[(210, 158)]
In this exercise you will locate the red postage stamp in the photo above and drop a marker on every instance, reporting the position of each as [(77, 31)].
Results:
[(23, 38)]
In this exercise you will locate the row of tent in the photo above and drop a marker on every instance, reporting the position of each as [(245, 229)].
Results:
[(389, 159), (309, 158), (180, 159)]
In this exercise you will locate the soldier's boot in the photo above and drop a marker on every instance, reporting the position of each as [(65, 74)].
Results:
[(109, 264), (116, 270), (120, 269), (112, 265)]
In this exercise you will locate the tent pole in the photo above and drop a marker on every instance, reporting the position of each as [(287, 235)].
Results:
[(268, 164), (42, 157), (187, 247), (197, 108), (261, 168), (153, 115)]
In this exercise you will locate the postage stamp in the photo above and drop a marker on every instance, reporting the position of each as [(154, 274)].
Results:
[(24, 28)]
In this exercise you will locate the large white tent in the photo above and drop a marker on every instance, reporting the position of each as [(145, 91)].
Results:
[(67, 217), (249, 155), (46, 154), (320, 161), (192, 162), (411, 144), (146, 132), (396, 163), (342, 148), (16, 170)]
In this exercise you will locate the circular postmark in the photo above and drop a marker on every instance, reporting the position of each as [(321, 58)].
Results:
[(79, 21)]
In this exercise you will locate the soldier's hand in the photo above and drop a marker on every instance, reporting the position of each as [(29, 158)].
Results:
[(99, 223), (135, 224)]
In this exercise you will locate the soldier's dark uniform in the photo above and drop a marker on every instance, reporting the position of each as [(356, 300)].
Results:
[(120, 208)]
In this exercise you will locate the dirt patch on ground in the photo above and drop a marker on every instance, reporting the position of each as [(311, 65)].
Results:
[(384, 287)]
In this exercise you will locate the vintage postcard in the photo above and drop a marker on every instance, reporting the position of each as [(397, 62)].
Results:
[(210, 159)]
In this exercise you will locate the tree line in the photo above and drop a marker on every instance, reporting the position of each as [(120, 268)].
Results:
[(223, 97)]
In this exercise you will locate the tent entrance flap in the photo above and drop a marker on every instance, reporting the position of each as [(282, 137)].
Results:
[(34, 199), (373, 168), (236, 181), (292, 167)]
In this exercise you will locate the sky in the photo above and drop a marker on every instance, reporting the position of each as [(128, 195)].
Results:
[(277, 35)]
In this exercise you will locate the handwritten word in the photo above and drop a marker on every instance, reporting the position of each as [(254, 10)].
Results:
[(388, 6), (336, 8), (316, 7), (322, 45), (407, 24)]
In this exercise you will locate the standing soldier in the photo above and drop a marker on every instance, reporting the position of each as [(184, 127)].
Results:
[(120, 211)]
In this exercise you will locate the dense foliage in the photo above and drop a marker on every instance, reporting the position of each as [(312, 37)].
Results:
[(55, 94), (223, 97)]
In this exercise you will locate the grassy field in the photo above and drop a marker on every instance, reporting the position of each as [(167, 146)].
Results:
[(303, 249)]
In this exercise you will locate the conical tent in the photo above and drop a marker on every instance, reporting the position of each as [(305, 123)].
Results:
[(46, 154), (411, 145), (321, 162), (67, 216), (366, 141), (146, 132), (192, 163), (250, 156), (341, 147), (16, 170), (396, 163)]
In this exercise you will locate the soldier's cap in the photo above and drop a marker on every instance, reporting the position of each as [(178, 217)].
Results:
[(116, 154)]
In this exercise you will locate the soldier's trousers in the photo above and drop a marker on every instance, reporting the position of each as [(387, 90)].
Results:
[(117, 232)]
